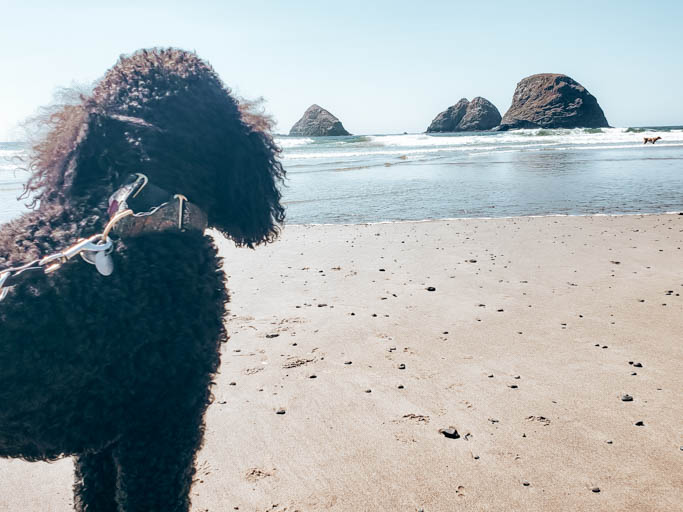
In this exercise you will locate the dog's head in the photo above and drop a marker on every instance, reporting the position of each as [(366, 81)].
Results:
[(166, 113)]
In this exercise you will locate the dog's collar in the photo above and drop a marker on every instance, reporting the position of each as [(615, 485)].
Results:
[(157, 211), (140, 207)]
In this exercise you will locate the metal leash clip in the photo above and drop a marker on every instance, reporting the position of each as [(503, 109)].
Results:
[(96, 251)]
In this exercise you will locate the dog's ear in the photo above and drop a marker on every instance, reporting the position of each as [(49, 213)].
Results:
[(246, 205)]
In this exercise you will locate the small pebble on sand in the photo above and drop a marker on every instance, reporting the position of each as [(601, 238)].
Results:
[(626, 398), (595, 489), (280, 411), (450, 433)]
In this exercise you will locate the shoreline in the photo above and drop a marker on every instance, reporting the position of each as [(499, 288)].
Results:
[(549, 215), (526, 344)]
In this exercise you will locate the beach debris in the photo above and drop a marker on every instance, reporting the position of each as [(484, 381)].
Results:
[(273, 335), (417, 417), (294, 362), (401, 366), (540, 419), (513, 386), (400, 386), (595, 489), (609, 441), (431, 289), (639, 423), (280, 411), (626, 398), (526, 484), (313, 376), (490, 375), (450, 432), (368, 390), (471, 261), (638, 365), (348, 362), (256, 474)]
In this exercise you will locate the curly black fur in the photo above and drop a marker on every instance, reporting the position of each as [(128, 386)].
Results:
[(116, 370)]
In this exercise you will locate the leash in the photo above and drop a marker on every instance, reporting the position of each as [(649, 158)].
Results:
[(97, 249)]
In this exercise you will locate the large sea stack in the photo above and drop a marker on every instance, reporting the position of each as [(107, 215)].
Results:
[(550, 100), (318, 122), (466, 116)]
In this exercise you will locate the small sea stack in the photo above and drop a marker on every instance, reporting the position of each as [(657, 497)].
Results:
[(318, 122), (550, 100), (467, 116)]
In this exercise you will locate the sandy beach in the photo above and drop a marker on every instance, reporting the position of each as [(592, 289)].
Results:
[(353, 346)]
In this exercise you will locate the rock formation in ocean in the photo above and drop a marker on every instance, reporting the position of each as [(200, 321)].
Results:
[(318, 122), (550, 100), (467, 116)]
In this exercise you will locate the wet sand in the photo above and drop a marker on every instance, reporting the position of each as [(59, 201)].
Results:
[(353, 347)]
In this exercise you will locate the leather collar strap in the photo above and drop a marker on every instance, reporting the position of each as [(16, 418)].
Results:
[(155, 210)]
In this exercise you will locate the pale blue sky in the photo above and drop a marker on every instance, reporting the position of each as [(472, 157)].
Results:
[(380, 66)]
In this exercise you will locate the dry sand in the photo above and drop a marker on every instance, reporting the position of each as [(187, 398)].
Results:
[(525, 346)]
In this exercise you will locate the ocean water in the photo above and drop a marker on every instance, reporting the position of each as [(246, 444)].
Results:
[(376, 178)]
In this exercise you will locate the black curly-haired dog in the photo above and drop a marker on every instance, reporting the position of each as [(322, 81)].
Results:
[(116, 371)]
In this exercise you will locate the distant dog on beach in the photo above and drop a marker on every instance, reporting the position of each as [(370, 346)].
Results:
[(116, 370), (650, 139)]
